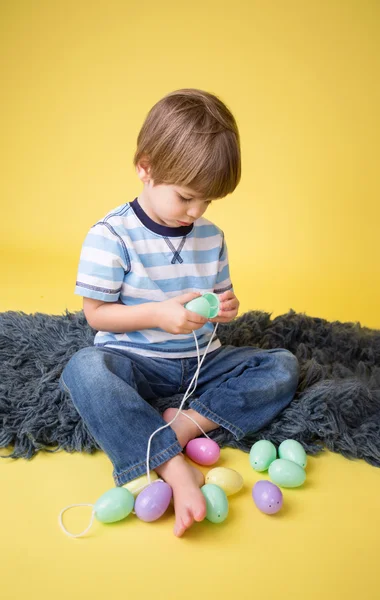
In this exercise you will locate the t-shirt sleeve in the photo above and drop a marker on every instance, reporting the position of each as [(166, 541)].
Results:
[(103, 264), (223, 280)]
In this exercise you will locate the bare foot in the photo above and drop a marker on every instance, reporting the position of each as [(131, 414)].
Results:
[(185, 429), (199, 477), (189, 502)]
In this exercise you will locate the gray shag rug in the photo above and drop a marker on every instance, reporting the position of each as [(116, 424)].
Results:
[(337, 403)]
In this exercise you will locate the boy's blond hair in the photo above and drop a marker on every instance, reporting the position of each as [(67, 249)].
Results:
[(190, 138)]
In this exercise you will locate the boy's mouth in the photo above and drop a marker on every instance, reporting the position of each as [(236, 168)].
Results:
[(183, 223)]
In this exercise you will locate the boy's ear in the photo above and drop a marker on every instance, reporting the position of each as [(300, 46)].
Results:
[(143, 171)]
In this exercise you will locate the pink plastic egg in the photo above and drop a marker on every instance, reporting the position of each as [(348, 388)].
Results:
[(267, 497), (152, 502), (203, 451)]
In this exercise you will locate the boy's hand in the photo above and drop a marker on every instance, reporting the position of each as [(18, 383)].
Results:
[(173, 317), (228, 308)]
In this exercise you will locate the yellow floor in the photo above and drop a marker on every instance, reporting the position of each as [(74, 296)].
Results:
[(302, 80), (323, 544)]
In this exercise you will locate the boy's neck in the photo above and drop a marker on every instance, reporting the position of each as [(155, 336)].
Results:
[(155, 226)]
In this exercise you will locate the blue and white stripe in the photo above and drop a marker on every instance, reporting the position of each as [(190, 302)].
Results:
[(124, 260)]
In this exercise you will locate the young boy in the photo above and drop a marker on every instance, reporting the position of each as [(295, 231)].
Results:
[(139, 266)]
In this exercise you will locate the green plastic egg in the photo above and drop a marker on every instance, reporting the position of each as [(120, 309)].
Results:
[(286, 473), (292, 450), (114, 505), (262, 454), (199, 306), (216, 503)]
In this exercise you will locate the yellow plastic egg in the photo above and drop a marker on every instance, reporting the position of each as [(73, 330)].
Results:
[(229, 480), (138, 485)]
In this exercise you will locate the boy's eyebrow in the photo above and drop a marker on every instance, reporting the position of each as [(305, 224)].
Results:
[(191, 194)]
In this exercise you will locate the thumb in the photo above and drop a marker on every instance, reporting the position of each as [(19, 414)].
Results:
[(184, 298)]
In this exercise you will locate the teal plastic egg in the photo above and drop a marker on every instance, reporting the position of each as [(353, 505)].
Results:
[(262, 454), (293, 451), (286, 473), (114, 505), (216, 503), (200, 306), (206, 305)]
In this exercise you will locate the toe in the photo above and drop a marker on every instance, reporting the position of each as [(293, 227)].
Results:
[(187, 520), (200, 512), (179, 528), (183, 522), (200, 515)]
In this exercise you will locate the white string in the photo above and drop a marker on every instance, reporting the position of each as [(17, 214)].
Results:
[(197, 424), (142, 487), (64, 528), (186, 396)]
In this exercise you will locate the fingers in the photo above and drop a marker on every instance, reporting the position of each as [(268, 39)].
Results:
[(193, 317), (227, 295), (227, 305), (220, 320), (232, 304), (224, 317)]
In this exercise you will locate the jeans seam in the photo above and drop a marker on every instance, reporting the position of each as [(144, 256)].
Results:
[(220, 421), (156, 456), (183, 378), (65, 386), (136, 466)]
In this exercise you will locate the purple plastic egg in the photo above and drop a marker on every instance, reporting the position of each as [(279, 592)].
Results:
[(203, 451), (267, 497), (153, 501)]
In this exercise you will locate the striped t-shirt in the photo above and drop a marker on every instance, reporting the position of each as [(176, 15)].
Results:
[(130, 259)]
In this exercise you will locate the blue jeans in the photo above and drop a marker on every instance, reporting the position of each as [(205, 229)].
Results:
[(240, 389)]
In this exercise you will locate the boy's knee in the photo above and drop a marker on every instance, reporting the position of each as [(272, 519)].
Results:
[(82, 362), (290, 365)]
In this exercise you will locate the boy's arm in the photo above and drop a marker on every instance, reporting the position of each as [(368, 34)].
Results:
[(118, 318), (229, 304), (223, 281), (103, 265)]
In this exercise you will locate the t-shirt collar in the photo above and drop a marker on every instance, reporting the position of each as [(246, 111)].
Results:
[(163, 230)]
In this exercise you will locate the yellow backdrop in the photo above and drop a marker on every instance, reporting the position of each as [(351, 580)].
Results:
[(302, 78)]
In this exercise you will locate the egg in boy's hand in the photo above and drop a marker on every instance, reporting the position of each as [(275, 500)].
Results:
[(228, 308)]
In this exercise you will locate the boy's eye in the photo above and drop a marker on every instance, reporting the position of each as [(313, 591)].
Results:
[(190, 199)]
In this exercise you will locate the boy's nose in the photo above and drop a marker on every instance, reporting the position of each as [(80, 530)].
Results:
[(195, 212)]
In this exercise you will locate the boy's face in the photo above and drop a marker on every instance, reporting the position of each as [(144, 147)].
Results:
[(170, 205)]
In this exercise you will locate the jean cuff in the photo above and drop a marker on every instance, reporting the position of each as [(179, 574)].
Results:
[(206, 412), (141, 468)]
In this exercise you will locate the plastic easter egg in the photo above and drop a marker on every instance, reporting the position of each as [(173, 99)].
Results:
[(200, 306), (114, 505), (213, 302), (267, 497), (293, 450), (286, 473), (203, 451), (262, 454), (229, 480), (138, 485), (152, 502), (216, 503)]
